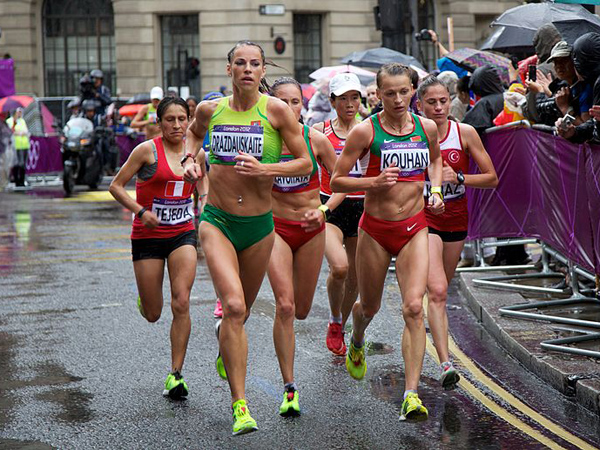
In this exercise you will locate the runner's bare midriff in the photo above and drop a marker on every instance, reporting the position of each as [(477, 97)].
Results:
[(403, 200), (227, 188), (293, 206)]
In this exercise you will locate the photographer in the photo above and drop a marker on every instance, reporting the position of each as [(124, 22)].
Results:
[(566, 94), (101, 92), (586, 57)]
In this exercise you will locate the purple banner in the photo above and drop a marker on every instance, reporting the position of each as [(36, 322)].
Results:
[(126, 146), (44, 155), (7, 77), (545, 191)]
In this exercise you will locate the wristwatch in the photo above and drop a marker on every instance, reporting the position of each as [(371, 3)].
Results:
[(185, 157), (460, 176)]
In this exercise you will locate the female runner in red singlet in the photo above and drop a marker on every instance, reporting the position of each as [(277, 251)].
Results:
[(447, 231), (342, 225), (163, 229), (299, 241)]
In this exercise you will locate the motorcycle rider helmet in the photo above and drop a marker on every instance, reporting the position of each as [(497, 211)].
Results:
[(96, 73), (88, 105)]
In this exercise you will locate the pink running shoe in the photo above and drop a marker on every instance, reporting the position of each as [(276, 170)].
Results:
[(218, 312), (335, 339)]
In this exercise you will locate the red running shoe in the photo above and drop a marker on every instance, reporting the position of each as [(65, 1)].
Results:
[(218, 312), (335, 339)]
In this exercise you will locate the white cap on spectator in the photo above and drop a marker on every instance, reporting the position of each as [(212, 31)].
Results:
[(157, 93), (561, 50), (344, 82)]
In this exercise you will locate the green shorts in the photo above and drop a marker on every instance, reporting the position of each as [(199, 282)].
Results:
[(242, 231)]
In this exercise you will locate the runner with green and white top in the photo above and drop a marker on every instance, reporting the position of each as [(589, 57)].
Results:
[(246, 132)]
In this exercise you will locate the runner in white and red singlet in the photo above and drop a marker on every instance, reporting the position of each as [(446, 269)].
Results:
[(447, 231), (342, 225), (163, 229)]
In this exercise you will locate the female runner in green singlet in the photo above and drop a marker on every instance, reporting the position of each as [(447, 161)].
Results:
[(236, 231), (299, 242), (396, 147)]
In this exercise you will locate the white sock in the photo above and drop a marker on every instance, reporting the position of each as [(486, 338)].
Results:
[(334, 319), (410, 391)]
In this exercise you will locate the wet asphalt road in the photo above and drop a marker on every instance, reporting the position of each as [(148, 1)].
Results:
[(80, 369)]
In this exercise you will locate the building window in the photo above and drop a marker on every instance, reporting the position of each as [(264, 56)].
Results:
[(79, 36), (307, 45), (181, 52)]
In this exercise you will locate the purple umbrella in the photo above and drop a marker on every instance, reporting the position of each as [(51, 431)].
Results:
[(471, 59), (10, 105)]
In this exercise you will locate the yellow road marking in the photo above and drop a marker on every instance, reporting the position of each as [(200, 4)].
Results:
[(506, 396), (96, 196)]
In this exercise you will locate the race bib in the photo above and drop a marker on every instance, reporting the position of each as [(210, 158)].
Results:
[(450, 191), (412, 158), (228, 140), (173, 212)]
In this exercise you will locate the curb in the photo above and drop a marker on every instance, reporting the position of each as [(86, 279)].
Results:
[(572, 375)]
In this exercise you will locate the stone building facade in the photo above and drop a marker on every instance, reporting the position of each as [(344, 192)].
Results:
[(139, 44)]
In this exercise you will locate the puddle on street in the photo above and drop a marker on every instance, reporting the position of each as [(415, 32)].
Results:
[(74, 404), (378, 348), (455, 421)]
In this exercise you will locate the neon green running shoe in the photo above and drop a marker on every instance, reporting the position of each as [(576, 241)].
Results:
[(140, 307), (355, 361), (413, 409), (175, 387), (220, 367), (242, 421), (219, 362), (290, 406)]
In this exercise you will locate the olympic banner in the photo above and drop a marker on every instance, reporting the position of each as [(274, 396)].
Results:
[(7, 77), (44, 155), (548, 188)]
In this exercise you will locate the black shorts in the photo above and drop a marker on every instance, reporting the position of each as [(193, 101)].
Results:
[(161, 248), (449, 236), (347, 215)]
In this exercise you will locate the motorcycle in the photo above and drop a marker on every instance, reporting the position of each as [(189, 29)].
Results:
[(82, 159)]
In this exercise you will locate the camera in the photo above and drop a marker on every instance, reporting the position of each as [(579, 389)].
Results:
[(423, 35), (567, 120)]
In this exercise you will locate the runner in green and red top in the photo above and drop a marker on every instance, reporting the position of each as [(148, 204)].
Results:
[(299, 241), (246, 132), (447, 232), (163, 229), (342, 225), (396, 147)]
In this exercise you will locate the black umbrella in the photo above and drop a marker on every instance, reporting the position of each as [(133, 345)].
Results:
[(377, 57), (571, 21), (510, 40)]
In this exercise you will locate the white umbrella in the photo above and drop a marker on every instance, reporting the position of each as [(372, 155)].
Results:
[(364, 75)]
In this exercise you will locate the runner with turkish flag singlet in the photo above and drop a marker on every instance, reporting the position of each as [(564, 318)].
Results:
[(342, 225), (163, 229), (398, 146), (447, 231), (299, 241), (246, 134)]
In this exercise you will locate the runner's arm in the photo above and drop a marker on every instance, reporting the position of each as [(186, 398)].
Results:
[(487, 178), (139, 157), (325, 152), (436, 200), (282, 119), (195, 167), (138, 121)]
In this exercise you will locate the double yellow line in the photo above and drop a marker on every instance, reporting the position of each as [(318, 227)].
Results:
[(476, 374)]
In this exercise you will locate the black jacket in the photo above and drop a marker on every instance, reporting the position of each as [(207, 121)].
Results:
[(485, 82)]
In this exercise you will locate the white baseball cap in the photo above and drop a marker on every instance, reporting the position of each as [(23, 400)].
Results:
[(157, 93), (344, 82)]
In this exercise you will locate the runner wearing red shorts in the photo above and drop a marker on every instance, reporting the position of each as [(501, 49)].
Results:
[(297, 253), (396, 147), (447, 231), (342, 225), (163, 229)]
